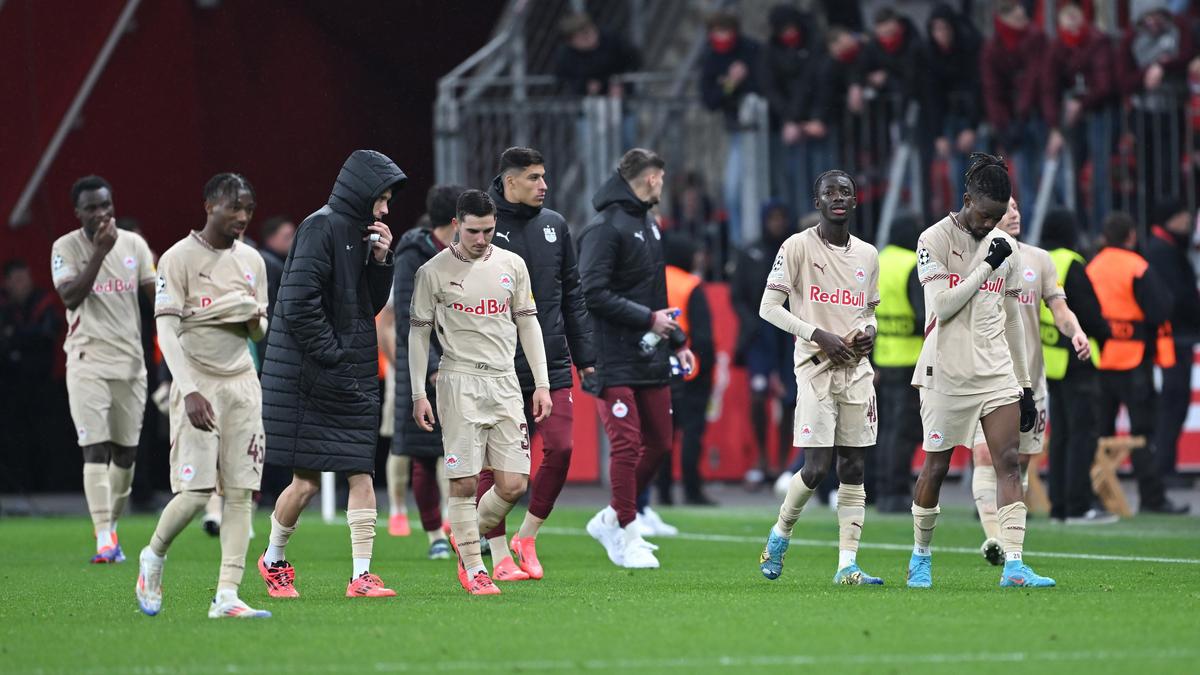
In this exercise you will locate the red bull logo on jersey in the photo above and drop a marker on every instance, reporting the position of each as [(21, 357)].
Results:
[(485, 307), (990, 285), (115, 286), (1028, 298), (838, 296)]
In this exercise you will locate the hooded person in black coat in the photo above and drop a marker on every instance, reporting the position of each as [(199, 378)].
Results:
[(320, 381), (624, 283), (540, 237)]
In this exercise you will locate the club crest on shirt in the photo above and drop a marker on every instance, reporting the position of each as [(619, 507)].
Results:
[(806, 432), (551, 233), (860, 274), (249, 277), (936, 439), (1029, 275), (620, 410), (130, 262), (187, 472), (451, 461), (506, 282)]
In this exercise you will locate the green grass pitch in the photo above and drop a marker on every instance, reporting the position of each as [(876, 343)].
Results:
[(1127, 601)]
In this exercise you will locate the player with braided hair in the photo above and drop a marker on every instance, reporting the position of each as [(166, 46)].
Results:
[(973, 369)]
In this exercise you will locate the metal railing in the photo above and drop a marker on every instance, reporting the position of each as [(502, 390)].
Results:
[(1151, 161)]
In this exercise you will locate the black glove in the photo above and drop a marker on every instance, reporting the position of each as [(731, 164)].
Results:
[(591, 384), (997, 252), (1028, 410)]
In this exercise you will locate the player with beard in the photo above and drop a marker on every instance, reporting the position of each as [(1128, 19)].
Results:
[(1039, 284), (211, 297), (973, 366), (830, 278)]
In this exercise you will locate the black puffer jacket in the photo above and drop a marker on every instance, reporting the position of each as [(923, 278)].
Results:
[(624, 281), (320, 379), (416, 247), (540, 237)]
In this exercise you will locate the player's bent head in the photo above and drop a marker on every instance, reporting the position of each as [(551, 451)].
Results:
[(441, 204), (523, 174), (988, 192), (89, 184), (644, 170), (475, 220), (1120, 230)]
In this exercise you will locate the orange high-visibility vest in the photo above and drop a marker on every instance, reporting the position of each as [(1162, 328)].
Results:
[(680, 285), (1112, 273)]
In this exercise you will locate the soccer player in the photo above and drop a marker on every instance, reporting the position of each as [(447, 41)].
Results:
[(972, 367), (211, 297), (1039, 283), (97, 273), (830, 280), (321, 373), (540, 236), (478, 299)]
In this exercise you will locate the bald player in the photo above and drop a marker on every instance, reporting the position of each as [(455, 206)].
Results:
[(830, 280), (97, 271), (211, 297), (478, 299), (1039, 285), (973, 367)]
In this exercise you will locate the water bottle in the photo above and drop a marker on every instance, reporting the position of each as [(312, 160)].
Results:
[(650, 340)]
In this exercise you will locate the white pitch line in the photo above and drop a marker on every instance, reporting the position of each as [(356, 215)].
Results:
[(658, 664), (735, 539)]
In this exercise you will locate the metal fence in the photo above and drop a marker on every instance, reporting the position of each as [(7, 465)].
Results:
[(1150, 157)]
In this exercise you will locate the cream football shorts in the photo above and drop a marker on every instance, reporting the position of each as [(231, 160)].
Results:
[(483, 423), (1031, 441), (949, 421), (231, 455), (105, 409), (835, 407)]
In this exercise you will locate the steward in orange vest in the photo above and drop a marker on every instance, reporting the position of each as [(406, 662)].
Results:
[(689, 397), (1135, 302)]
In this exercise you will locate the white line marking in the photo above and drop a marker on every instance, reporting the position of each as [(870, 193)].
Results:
[(735, 539), (696, 662)]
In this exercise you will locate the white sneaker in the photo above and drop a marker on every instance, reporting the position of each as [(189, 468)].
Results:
[(643, 531), (603, 528), (149, 582), (782, 483), (652, 524), (636, 555), (228, 604)]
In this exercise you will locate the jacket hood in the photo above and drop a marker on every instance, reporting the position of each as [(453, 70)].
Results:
[(617, 191), (417, 238), (365, 175), (782, 15), (518, 210)]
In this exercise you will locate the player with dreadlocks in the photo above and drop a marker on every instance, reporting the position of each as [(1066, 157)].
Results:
[(830, 280), (973, 369), (211, 296)]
